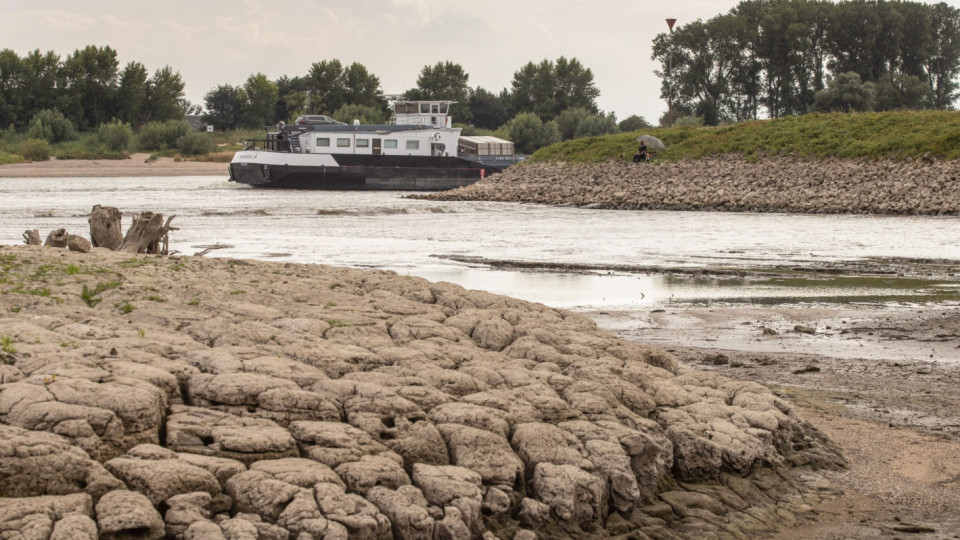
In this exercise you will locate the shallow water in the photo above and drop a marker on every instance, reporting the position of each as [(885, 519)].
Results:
[(386, 230)]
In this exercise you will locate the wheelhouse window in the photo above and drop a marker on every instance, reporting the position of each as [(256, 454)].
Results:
[(343, 142), (424, 108), (323, 141), (390, 143), (363, 143), (413, 145)]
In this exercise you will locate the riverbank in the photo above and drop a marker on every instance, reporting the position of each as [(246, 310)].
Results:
[(202, 394), (731, 183), (138, 164), (879, 380)]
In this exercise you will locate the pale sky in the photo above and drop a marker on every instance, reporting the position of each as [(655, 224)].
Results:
[(213, 42)]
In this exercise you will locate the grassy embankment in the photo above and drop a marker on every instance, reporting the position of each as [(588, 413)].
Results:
[(894, 135)]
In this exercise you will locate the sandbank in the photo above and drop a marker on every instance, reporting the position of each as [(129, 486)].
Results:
[(138, 164)]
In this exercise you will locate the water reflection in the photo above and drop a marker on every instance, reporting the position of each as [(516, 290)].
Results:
[(630, 292)]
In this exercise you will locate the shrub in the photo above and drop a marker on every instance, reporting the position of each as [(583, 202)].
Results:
[(162, 136), (34, 150), (194, 143), (116, 136), (51, 126), (364, 113), (7, 158), (529, 133), (634, 123)]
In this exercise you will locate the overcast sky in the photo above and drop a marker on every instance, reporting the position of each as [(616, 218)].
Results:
[(212, 42)]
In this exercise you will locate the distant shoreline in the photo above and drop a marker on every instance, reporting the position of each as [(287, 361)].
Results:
[(137, 165)]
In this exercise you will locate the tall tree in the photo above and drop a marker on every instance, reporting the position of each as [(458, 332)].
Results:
[(362, 87), (132, 93), (445, 81), (329, 86), (39, 83), (548, 88), (488, 110), (165, 95), (11, 102), (224, 106), (260, 101), (943, 65), (89, 78)]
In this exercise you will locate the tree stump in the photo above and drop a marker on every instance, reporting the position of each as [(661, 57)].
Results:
[(105, 230), (147, 233), (31, 238), (57, 238)]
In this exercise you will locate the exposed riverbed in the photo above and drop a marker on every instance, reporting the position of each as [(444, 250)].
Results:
[(562, 256), (879, 292)]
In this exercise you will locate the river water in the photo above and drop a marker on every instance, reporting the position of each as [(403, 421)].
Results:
[(386, 230)]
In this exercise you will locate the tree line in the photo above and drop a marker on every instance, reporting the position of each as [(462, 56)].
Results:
[(792, 57), (49, 97), (87, 87), (547, 101)]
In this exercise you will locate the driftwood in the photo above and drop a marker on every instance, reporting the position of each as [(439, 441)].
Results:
[(148, 234), (105, 228), (57, 238), (208, 250), (32, 238)]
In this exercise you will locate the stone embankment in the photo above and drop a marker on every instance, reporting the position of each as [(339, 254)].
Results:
[(146, 396), (730, 183)]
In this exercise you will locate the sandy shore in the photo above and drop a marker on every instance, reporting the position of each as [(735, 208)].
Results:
[(881, 382), (137, 165)]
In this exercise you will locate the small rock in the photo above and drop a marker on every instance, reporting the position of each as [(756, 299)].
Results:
[(79, 244), (806, 369), (718, 360), (128, 514), (800, 329)]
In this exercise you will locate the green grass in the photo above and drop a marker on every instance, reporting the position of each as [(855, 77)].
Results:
[(7, 158), (89, 295), (895, 135), (6, 345), (336, 323)]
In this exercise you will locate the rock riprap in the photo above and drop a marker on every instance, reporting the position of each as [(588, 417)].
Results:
[(187, 397), (731, 183)]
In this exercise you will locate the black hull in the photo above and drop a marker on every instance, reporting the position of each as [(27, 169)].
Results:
[(394, 173)]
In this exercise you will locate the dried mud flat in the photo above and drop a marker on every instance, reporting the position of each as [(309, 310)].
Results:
[(214, 398), (882, 382)]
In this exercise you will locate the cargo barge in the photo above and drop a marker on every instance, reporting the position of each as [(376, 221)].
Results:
[(419, 150)]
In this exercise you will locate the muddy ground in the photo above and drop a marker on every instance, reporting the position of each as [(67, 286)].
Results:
[(883, 381)]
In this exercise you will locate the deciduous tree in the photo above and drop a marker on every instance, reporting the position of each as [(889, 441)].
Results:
[(164, 95), (445, 81), (224, 106), (260, 101)]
